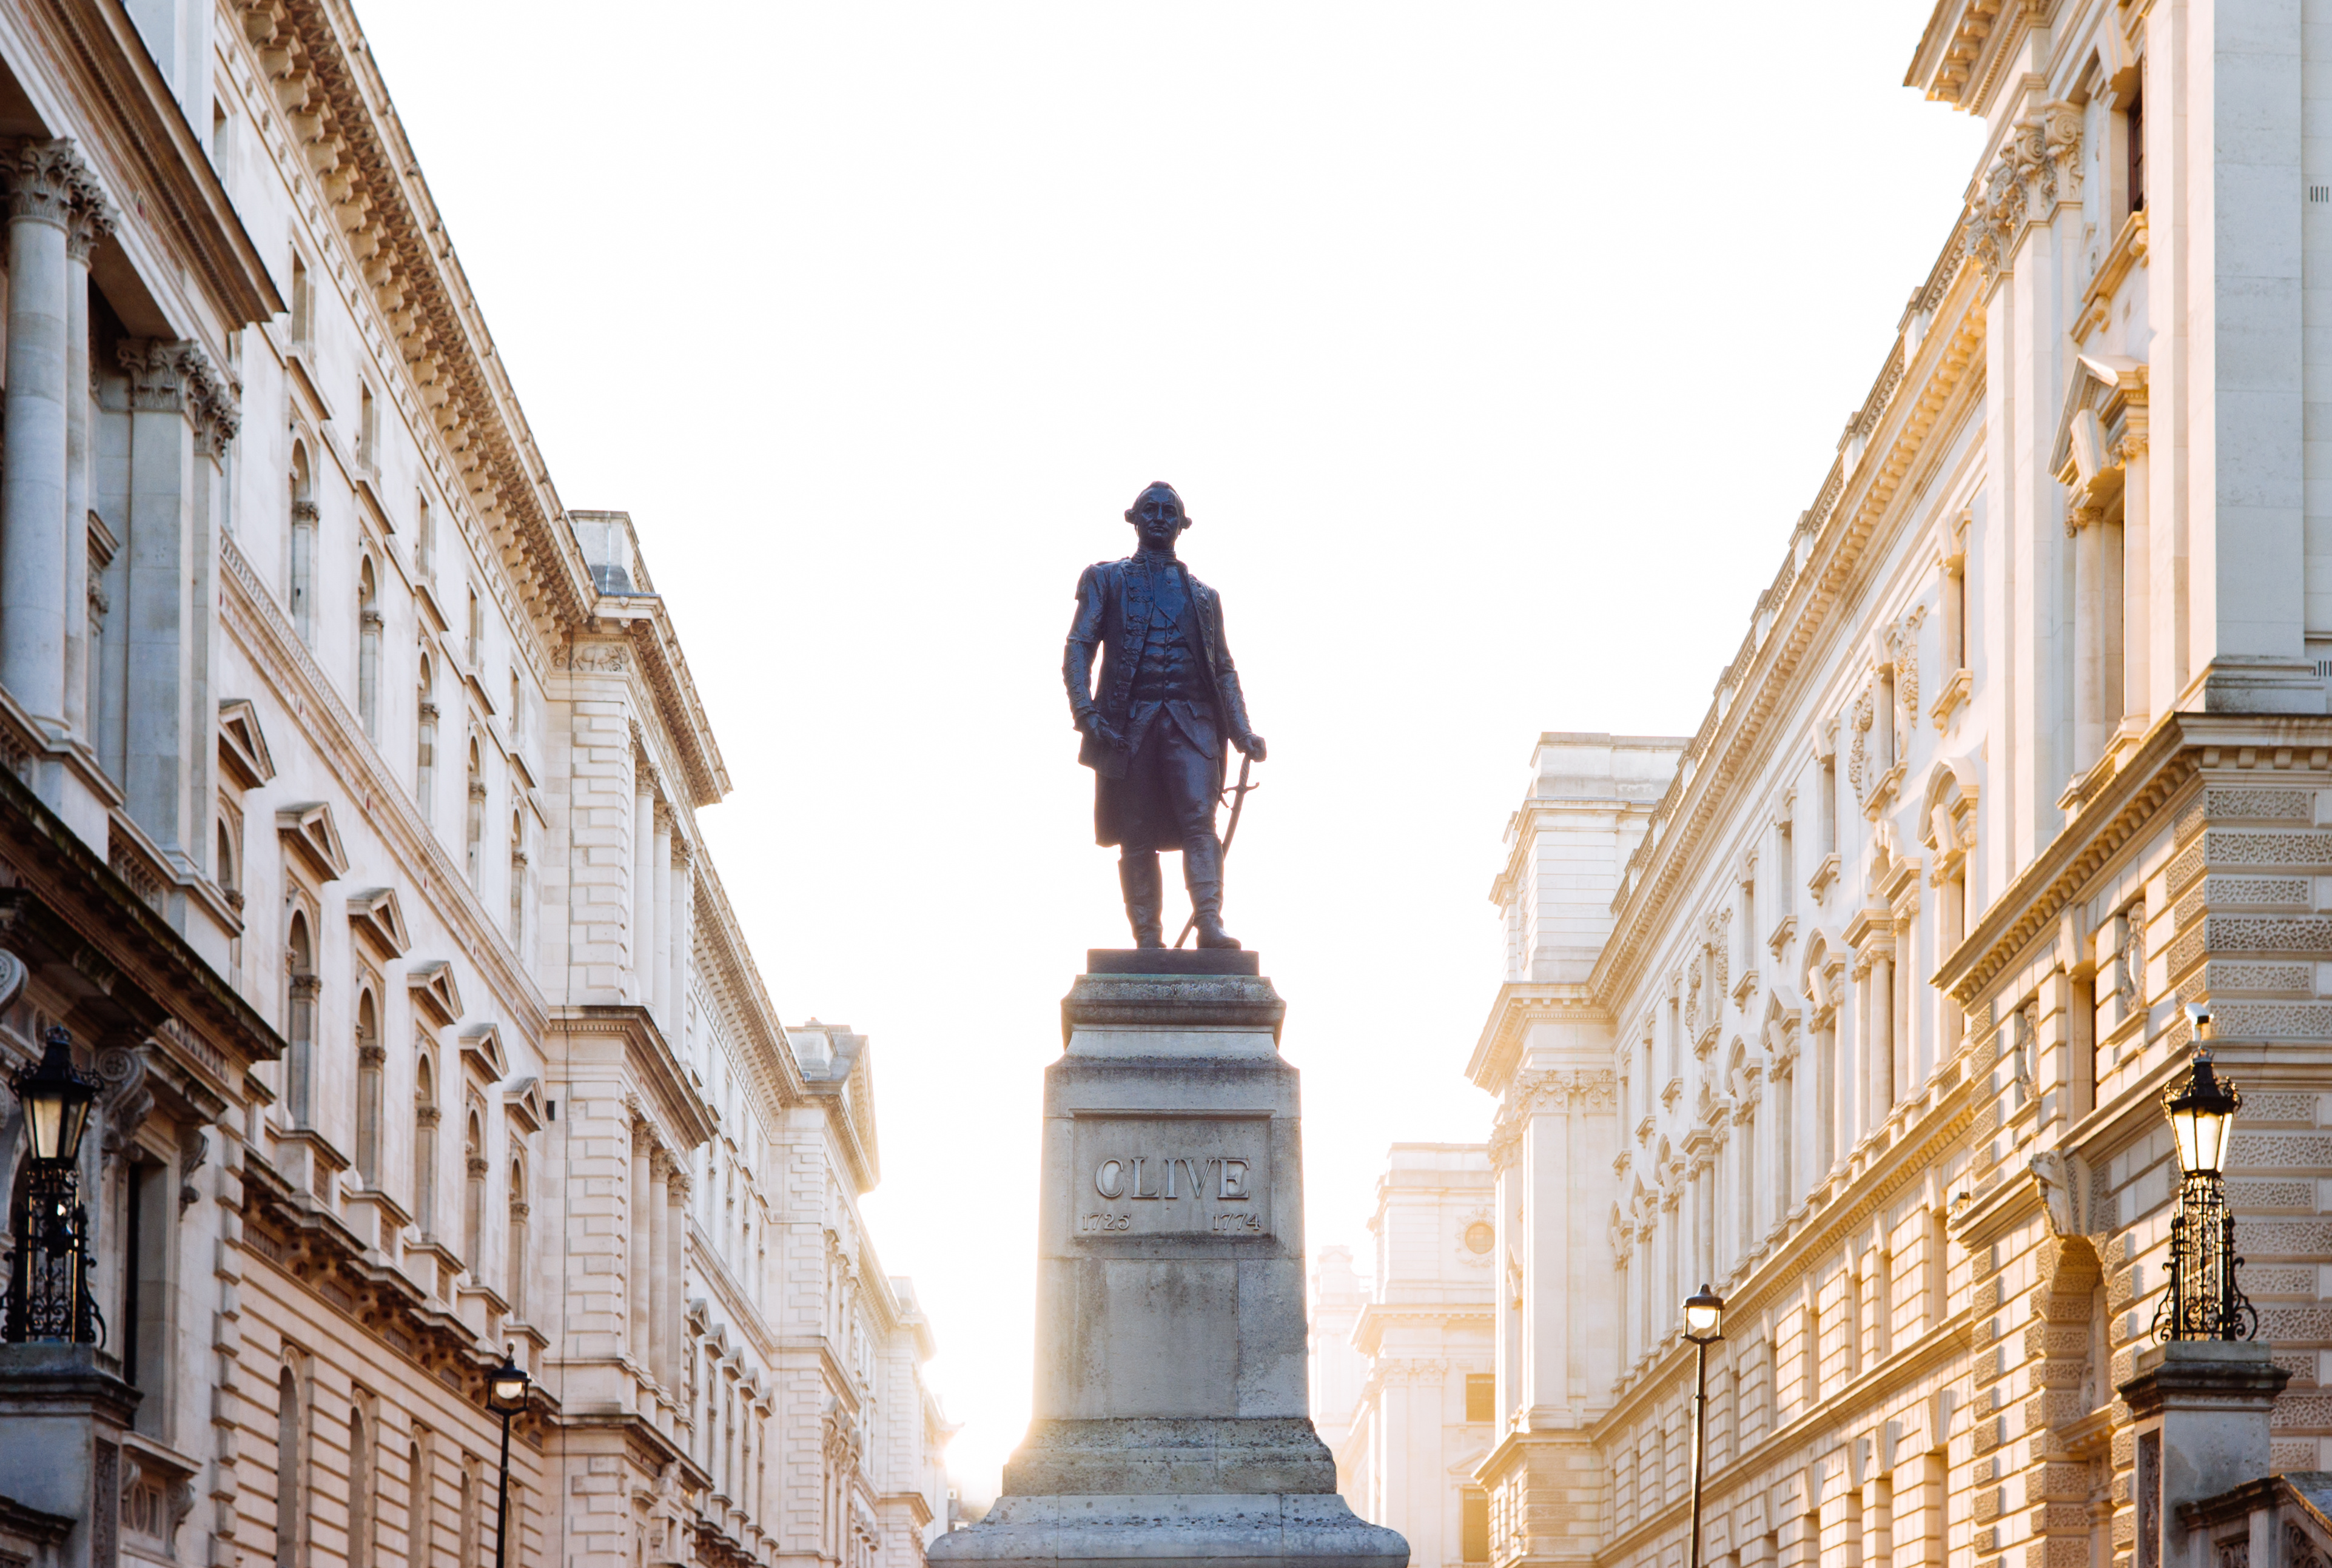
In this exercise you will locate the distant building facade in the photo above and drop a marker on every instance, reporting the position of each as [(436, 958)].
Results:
[(1403, 1368), (1858, 1002), (348, 821)]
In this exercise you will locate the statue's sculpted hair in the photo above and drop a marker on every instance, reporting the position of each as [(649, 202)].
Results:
[(1152, 488)]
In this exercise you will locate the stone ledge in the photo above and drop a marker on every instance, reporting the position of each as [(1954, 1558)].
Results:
[(1164, 1457), (1171, 1002), (1128, 1531)]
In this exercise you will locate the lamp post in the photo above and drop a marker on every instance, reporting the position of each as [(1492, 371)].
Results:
[(2203, 1301), (506, 1388), (1704, 1312), (48, 1289)]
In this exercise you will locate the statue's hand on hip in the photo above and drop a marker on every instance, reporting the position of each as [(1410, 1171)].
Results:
[(1251, 744), (1099, 729)]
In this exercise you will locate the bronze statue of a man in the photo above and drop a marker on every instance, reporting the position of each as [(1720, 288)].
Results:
[(1158, 730)]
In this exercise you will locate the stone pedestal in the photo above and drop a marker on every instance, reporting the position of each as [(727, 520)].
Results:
[(61, 1419), (2200, 1410), (1172, 1420)]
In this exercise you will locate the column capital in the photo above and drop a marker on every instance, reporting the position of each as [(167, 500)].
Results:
[(43, 180), (91, 220), (169, 376)]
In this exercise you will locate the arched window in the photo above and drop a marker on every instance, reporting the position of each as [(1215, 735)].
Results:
[(229, 873), (425, 1148), (477, 815), (287, 1501), (368, 650), (517, 1264), (360, 1488), (371, 1058), (300, 554), (518, 877), (473, 1192), (300, 1019), (424, 763), (420, 1510)]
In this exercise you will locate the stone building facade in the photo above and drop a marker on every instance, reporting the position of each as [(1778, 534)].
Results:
[(1858, 1002), (348, 820), (1403, 1367)]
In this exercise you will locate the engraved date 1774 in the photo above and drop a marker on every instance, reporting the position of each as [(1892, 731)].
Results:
[(1178, 1180)]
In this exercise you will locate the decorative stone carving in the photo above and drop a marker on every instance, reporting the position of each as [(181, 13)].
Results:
[(45, 181), (175, 377), (1858, 760), (91, 220), (2038, 168)]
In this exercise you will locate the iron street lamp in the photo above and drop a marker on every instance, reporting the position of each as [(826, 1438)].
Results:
[(48, 1290), (506, 1388), (1703, 1314), (2203, 1301)]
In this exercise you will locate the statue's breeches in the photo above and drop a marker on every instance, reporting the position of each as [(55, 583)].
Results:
[(1167, 797)]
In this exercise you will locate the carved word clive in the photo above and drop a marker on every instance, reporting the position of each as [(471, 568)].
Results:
[(1181, 1179)]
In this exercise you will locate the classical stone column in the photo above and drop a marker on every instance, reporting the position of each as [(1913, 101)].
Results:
[(33, 574), (2139, 698), (659, 1205), (677, 925), (674, 1260), (638, 1268), (660, 955), (1882, 1035), (179, 413), (643, 920), (91, 225), (2090, 718)]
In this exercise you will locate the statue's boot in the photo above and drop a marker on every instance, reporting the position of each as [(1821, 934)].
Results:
[(1202, 873), (1145, 897)]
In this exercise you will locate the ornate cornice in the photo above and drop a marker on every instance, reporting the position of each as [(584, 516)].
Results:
[(1831, 550), (311, 55), (1520, 1004), (136, 129)]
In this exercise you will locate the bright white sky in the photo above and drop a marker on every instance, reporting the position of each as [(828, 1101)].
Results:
[(1496, 349)]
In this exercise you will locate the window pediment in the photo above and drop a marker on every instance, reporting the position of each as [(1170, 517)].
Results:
[(433, 990), (243, 748), (309, 834), (2098, 398), (377, 919), (481, 1052)]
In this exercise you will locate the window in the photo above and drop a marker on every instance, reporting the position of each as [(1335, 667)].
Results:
[(303, 304), (424, 762), (424, 1146), (1474, 1525), (425, 537), (299, 987), (2133, 135), (476, 820), (1829, 824), (518, 877), (147, 1218), (370, 1060), (517, 1261), (368, 429), (368, 650), (421, 1529), (473, 1192), (301, 554), (1481, 1396), (477, 630), (287, 1501), (360, 1487)]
